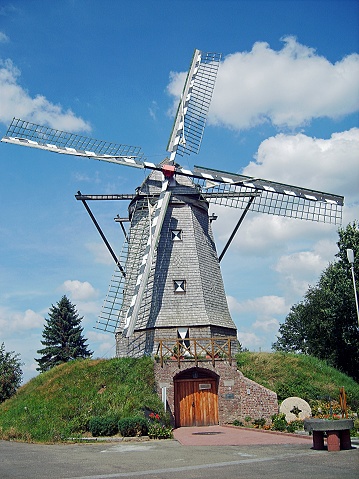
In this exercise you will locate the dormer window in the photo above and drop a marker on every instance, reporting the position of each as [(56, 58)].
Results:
[(179, 286), (176, 235)]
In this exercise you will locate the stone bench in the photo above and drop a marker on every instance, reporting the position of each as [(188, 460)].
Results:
[(337, 432)]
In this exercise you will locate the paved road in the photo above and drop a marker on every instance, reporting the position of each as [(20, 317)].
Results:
[(171, 460)]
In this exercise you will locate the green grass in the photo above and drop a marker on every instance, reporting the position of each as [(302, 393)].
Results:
[(59, 403), (298, 375)]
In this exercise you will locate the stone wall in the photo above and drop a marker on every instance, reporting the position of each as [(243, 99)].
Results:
[(238, 396)]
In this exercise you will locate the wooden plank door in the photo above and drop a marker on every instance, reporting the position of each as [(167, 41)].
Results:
[(196, 402)]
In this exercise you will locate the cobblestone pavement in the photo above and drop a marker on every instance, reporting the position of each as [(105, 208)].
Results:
[(234, 436)]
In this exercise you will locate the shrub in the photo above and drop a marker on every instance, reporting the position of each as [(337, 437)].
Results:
[(133, 426), (355, 431), (259, 422), (103, 426), (157, 429), (279, 422), (237, 422), (296, 425)]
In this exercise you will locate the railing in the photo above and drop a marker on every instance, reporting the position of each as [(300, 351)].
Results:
[(194, 349)]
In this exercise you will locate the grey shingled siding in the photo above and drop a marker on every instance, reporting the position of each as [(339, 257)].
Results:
[(203, 306)]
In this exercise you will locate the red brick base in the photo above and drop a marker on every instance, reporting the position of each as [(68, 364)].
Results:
[(238, 396)]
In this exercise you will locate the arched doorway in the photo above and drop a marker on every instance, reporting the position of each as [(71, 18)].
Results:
[(196, 397)]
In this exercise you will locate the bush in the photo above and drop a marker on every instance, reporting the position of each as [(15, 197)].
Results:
[(103, 426), (159, 428), (259, 422), (237, 422), (133, 426), (279, 422), (296, 425), (159, 431)]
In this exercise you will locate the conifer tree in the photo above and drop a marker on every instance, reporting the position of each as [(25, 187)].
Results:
[(62, 336)]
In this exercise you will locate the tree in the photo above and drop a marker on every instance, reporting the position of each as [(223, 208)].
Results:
[(63, 339), (324, 324), (10, 373)]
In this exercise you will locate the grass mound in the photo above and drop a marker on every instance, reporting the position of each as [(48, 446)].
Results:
[(298, 375), (59, 403)]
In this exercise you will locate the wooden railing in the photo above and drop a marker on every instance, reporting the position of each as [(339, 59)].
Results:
[(194, 349)]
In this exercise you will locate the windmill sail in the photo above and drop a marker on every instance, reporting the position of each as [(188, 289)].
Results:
[(194, 104)]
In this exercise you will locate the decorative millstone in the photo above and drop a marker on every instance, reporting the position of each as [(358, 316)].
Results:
[(295, 408)]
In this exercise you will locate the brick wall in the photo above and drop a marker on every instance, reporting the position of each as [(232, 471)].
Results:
[(238, 396)]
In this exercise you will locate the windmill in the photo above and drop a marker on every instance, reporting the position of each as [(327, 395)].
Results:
[(167, 282)]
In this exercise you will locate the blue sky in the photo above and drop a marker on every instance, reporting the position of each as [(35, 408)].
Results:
[(285, 108)]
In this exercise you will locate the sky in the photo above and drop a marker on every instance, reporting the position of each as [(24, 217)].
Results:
[(285, 108)]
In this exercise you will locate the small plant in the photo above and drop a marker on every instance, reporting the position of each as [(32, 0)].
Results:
[(248, 419), (259, 423), (355, 431), (236, 422), (296, 425), (279, 422), (156, 428), (133, 426), (103, 426)]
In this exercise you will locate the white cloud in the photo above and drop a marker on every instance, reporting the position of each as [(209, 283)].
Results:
[(266, 304), (105, 342), (12, 321), (153, 109), (263, 235), (79, 290), (100, 253), (299, 270), (288, 88), (266, 324), (4, 38), (322, 164), (16, 102), (262, 308), (249, 340), (175, 88)]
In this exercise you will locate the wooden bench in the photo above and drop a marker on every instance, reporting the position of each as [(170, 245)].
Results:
[(337, 433)]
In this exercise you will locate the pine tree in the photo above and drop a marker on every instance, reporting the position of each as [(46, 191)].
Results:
[(62, 337)]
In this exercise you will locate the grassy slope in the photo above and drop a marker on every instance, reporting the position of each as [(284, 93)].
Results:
[(297, 375), (58, 404)]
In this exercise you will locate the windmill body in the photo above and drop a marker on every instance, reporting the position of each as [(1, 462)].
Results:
[(184, 292)]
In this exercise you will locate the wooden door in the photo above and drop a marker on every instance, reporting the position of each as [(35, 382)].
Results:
[(196, 402)]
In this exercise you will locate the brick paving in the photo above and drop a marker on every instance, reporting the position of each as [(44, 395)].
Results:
[(235, 436)]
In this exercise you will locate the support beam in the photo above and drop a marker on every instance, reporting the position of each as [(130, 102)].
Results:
[(103, 237), (251, 199)]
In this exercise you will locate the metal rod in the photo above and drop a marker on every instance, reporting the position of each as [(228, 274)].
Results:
[(251, 199), (350, 256), (104, 238), (355, 292), (124, 231)]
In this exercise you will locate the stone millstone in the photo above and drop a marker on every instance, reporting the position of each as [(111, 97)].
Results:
[(295, 408)]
